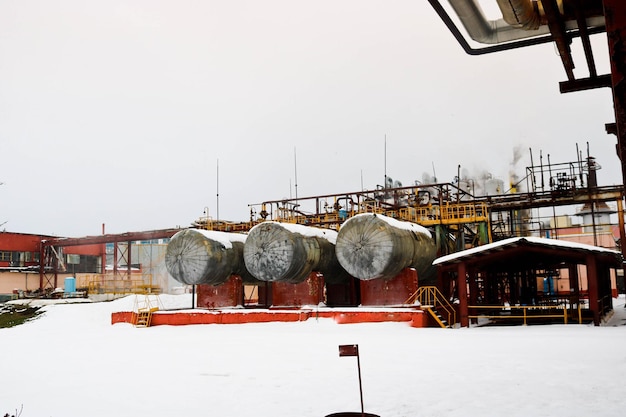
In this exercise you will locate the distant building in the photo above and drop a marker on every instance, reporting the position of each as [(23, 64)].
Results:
[(20, 262)]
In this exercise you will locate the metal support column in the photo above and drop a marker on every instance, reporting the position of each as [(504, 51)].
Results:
[(592, 288), (620, 221), (461, 286), (615, 14)]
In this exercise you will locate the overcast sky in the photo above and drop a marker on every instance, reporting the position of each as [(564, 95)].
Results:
[(117, 112)]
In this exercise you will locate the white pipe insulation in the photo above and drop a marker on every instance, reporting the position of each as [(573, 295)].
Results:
[(521, 19)]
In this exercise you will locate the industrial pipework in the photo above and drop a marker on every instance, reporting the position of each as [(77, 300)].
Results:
[(520, 19)]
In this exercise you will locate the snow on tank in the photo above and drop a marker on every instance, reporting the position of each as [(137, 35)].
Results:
[(372, 246), (196, 256), (286, 252)]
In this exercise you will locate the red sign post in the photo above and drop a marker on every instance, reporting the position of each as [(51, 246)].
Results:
[(353, 350)]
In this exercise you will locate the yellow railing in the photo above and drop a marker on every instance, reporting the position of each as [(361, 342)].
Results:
[(144, 306), (429, 296), (522, 312), (118, 284), (448, 214), (425, 215), (445, 214)]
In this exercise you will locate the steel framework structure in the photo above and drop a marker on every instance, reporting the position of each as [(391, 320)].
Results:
[(51, 259)]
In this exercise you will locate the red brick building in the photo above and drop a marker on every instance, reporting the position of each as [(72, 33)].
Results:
[(20, 260)]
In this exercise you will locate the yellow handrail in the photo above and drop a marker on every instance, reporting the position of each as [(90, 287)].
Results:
[(119, 284), (428, 215), (524, 316), (431, 296), (470, 212)]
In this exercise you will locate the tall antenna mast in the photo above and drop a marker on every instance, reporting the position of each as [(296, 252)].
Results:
[(217, 214), (295, 169), (385, 163)]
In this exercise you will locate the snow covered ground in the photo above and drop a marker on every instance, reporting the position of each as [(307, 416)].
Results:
[(72, 362)]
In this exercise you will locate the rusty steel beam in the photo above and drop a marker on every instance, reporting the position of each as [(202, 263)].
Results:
[(584, 37), (557, 29), (522, 201), (48, 266), (111, 238), (615, 16), (581, 84)]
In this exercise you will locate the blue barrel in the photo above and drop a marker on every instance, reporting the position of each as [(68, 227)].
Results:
[(70, 284)]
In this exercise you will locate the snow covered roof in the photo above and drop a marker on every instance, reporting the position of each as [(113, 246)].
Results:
[(517, 241)]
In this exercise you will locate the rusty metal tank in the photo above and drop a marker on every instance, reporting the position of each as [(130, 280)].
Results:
[(372, 246), (286, 252), (196, 256)]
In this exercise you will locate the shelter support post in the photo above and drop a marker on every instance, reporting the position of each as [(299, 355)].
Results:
[(574, 290), (592, 286), (605, 293), (622, 232), (461, 286), (103, 254), (473, 289), (115, 261)]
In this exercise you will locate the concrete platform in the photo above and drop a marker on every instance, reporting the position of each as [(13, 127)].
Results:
[(413, 316)]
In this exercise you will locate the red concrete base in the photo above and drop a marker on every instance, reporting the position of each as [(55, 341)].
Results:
[(309, 292), (389, 292), (416, 317), (228, 294)]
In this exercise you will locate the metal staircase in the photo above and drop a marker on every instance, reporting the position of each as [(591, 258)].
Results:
[(145, 306), (433, 301), (437, 316)]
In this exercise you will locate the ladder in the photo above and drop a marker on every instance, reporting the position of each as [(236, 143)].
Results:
[(441, 321), (433, 301), (145, 306)]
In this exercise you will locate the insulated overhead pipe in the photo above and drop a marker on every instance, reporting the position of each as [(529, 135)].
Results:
[(523, 14), (521, 19)]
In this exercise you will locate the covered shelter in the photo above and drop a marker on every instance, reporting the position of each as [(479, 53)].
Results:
[(506, 278)]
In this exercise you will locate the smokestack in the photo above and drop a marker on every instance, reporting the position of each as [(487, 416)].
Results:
[(592, 167)]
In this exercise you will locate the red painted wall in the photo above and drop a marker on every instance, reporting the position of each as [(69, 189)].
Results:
[(20, 242), (228, 294), (395, 291), (415, 318), (308, 292), (95, 250)]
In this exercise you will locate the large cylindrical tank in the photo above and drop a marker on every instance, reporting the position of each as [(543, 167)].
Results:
[(371, 246), (196, 256), (286, 252)]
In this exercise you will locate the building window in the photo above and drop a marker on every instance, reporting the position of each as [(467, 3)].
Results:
[(17, 259)]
